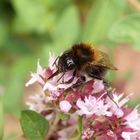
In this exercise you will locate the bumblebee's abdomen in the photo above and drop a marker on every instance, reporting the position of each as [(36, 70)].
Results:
[(97, 72)]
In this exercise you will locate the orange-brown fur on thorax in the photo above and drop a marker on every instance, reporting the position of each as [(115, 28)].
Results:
[(91, 53)]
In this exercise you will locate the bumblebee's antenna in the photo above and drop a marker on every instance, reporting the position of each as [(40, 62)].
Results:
[(111, 97)]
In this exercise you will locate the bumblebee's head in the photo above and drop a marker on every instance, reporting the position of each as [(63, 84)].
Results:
[(66, 61)]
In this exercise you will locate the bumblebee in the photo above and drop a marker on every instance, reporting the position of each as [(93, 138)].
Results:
[(83, 58)]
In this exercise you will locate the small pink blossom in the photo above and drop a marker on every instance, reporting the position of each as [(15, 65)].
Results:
[(98, 86), (50, 85), (53, 95), (54, 84), (52, 59), (133, 119), (112, 135), (131, 135), (120, 102), (65, 106), (91, 106), (87, 134), (38, 76), (37, 102)]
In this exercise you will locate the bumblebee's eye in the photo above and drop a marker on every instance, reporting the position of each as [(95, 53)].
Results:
[(70, 64)]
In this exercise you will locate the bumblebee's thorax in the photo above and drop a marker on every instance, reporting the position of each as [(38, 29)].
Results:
[(83, 54)]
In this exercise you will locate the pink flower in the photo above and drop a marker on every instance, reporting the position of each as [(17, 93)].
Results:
[(120, 102), (87, 134), (52, 59), (103, 118), (54, 84), (112, 135), (65, 106), (131, 135), (97, 86), (37, 102), (91, 106), (38, 76), (54, 95), (50, 86), (133, 119)]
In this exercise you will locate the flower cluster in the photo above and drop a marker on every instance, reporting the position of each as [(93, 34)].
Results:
[(89, 111)]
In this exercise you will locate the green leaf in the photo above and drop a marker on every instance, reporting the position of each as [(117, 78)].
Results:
[(127, 30), (101, 17), (67, 29), (64, 34), (34, 125), (17, 46), (33, 16)]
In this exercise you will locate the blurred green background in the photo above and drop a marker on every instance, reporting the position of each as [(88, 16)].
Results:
[(29, 29)]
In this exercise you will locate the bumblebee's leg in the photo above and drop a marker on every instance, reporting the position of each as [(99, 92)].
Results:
[(61, 77), (106, 83), (109, 94), (54, 63), (54, 74), (74, 86), (63, 80), (99, 72), (78, 84), (81, 82)]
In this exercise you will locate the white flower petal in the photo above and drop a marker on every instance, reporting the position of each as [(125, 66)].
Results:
[(91, 106), (50, 87), (131, 135), (52, 59), (37, 77), (117, 109), (39, 68), (32, 80), (133, 119)]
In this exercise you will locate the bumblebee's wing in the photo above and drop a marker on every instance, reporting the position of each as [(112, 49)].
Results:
[(104, 61)]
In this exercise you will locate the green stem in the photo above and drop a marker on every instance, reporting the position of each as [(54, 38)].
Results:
[(80, 120), (53, 126)]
